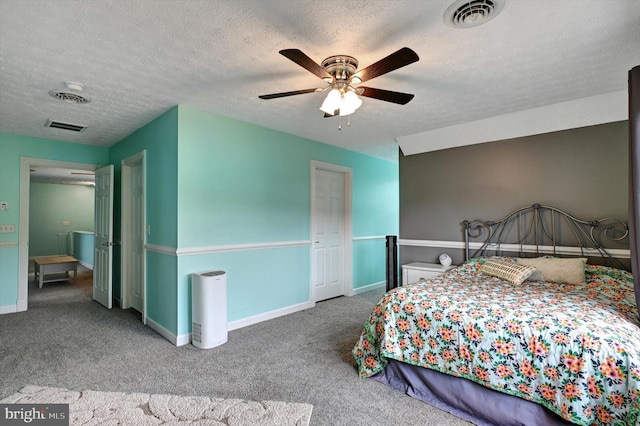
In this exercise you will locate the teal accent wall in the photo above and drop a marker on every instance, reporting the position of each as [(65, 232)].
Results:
[(162, 290), (160, 140), (213, 181), (258, 281), (83, 247), (369, 262), (239, 183), (49, 205), (12, 147), (8, 277), (375, 197)]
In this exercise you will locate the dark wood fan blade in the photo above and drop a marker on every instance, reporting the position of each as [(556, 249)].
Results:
[(398, 59), (305, 62), (386, 95), (283, 94)]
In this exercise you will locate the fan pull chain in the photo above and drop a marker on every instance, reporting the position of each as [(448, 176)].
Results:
[(340, 121)]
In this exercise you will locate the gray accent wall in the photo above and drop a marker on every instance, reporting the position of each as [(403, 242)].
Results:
[(582, 171)]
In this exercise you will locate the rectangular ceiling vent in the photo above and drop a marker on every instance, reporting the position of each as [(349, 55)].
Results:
[(65, 126)]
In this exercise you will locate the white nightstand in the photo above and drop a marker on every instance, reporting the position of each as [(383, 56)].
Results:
[(412, 272)]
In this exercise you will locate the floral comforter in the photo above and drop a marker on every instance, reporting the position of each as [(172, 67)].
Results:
[(574, 349)]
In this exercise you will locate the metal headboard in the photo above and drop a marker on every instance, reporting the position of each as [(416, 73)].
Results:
[(538, 229)]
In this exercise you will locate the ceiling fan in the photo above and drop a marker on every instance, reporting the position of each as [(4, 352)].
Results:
[(339, 72)]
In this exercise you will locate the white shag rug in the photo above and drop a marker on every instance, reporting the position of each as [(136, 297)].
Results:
[(140, 409)]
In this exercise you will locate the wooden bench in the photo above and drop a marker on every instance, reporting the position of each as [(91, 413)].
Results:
[(55, 264)]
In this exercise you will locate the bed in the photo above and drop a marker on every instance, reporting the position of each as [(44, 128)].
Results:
[(495, 349)]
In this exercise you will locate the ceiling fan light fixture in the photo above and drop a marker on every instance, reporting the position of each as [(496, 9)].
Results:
[(331, 102), (339, 72), (346, 103), (350, 102), (344, 111)]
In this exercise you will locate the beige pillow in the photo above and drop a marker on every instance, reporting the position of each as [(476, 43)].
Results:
[(556, 270), (509, 271)]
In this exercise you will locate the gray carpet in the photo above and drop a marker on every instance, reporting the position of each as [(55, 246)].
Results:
[(67, 340)]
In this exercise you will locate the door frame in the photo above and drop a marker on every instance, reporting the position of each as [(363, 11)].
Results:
[(23, 237), (125, 230), (347, 258)]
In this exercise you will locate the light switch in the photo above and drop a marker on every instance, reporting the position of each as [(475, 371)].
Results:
[(7, 229), (66, 223)]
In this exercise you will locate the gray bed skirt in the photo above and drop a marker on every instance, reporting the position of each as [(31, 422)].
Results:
[(464, 398)]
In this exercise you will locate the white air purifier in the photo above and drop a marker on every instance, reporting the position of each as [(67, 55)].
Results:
[(209, 309)]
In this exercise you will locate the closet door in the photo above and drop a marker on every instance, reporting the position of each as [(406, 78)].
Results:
[(328, 243)]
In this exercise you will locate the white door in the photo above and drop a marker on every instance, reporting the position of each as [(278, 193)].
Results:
[(137, 238), (328, 238), (103, 245)]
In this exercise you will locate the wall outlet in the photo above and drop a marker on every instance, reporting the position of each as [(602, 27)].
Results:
[(4, 205), (7, 229), (66, 223)]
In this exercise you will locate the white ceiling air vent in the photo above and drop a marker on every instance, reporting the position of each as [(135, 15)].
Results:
[(65, 126), (471, 13), (73, 98)]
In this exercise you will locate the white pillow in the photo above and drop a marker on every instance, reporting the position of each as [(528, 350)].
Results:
[(556, 270)]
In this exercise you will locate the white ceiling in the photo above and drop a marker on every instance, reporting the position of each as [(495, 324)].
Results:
[(138, 58)]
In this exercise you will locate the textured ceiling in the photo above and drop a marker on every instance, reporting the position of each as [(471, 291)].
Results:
[(138, 58)]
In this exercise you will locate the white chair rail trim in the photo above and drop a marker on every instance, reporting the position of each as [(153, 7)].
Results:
[(527, 248), (371, 237), (191, 251)]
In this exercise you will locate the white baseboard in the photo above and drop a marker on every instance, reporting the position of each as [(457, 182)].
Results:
[(85, 264), (162, 331), (22, 305), (8, 309), (184, 339), (245, 322), (366, 288)]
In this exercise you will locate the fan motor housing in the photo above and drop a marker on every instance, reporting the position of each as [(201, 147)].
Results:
[(341, 67)]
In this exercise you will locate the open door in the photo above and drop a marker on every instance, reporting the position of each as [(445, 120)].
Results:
[(103, 246)]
